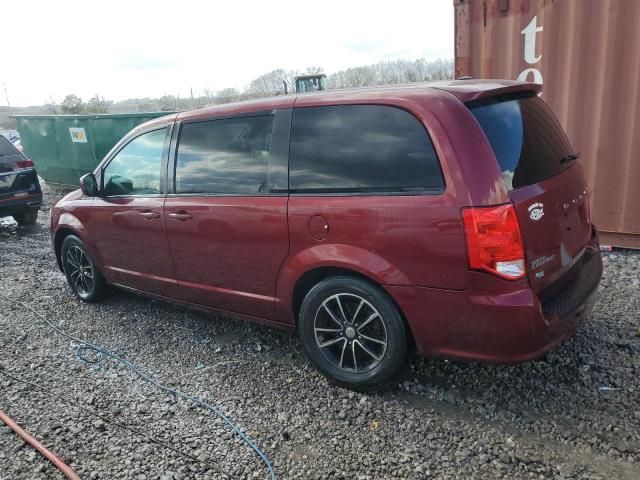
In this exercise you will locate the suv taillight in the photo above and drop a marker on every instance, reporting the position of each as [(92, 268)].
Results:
[(494, 241), (23, 164)]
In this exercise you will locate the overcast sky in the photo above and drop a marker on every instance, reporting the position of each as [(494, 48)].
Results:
[(141, 49)]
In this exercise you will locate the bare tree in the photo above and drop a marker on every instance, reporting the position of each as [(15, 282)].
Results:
[(398, 71), (227, 95), (96, 105)]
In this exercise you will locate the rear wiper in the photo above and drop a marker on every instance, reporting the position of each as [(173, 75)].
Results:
[(570, 158)]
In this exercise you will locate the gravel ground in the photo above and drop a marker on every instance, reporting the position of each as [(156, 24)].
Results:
[(574, 414)]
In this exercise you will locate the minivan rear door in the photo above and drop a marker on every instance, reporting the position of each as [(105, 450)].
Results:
[(545, 182)]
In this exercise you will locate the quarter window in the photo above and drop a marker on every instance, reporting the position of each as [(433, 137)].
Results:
[(361, 148), (135, 170), (228, 156)]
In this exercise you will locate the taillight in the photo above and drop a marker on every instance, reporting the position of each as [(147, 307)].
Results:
[(494, 241), (23, 164)]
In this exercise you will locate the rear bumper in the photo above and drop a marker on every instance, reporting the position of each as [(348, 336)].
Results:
[(499, 321), (12, 204)]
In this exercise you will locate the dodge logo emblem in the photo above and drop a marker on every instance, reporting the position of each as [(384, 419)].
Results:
[(536, 211)]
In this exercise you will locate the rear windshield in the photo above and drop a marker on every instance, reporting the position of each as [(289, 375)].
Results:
[(526, 138), (6, 148)]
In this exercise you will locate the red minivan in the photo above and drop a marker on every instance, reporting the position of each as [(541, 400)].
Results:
[(449, 218)]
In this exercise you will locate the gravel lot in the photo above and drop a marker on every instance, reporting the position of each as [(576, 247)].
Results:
[(574, 414)]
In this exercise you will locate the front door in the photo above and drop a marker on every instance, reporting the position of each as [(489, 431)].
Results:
[(227, 229), (126, 219)]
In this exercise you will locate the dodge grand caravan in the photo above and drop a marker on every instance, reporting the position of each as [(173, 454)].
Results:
[(451, 219)]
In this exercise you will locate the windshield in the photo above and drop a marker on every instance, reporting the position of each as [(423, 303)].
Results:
[(527, 140)]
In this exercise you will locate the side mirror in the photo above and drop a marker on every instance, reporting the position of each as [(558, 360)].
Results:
[(89, 185)]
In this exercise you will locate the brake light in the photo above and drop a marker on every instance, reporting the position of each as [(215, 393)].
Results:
[(494, 242), (23, 164)]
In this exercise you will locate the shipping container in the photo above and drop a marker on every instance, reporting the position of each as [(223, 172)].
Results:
[(586, 54), (65, 147)]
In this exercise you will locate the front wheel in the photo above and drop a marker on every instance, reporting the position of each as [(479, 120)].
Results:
[(353, 333), (81, 271)]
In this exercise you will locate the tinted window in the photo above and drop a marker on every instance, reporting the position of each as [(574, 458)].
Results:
[(361, 148), (224, 156), (528, 141), (135, 170), (6, 148)]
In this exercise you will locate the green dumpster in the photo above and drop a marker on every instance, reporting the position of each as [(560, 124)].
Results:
[(65, 147)]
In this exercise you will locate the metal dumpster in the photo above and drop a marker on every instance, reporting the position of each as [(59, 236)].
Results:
[(65, 147)]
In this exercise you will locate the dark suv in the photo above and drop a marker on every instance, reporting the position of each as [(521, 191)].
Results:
[(20, 194), (452, 219)]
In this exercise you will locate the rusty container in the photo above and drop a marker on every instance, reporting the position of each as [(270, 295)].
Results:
[(586, 53)]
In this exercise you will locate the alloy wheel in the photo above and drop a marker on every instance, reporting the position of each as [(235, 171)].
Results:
[(350, 332), (80, 270)]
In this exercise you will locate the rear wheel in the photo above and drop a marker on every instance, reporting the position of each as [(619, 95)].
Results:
[(353, 333), (81, 271), (27, 218)]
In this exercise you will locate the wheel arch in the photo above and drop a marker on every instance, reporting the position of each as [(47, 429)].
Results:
[(70, 225), (313, 276), (58, 239)]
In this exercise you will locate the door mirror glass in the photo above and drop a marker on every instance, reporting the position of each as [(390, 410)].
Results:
[(89, 185)]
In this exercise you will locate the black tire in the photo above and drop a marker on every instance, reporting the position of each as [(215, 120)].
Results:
[(348, 298), (26, 218), (84, 277)]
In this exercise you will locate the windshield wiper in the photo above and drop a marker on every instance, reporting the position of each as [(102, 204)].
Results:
[(570, 158)]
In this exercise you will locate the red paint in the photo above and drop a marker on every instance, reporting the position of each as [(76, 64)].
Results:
[(229, 254), (132, 245), (246, 254), (318, 227)]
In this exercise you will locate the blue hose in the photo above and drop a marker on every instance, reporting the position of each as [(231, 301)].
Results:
[(101, 353)]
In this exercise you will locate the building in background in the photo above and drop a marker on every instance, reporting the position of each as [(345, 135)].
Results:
[(586, 54)]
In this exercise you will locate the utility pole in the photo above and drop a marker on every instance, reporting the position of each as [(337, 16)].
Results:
[(6, 95), (53, 104)]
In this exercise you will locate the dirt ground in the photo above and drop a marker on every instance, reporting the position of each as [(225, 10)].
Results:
[(573, 414)]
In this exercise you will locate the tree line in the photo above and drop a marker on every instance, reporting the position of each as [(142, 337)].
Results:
[(269, 84)]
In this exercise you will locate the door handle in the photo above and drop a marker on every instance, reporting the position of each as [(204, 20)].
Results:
[(149, 215), (181, 215)]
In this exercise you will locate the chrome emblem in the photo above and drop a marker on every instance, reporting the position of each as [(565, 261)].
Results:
[(536, 211)]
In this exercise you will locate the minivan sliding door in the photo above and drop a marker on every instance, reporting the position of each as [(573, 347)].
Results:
[(227, 218)]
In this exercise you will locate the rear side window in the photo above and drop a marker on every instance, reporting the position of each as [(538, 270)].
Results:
[(526, 138), (361, 148), (7, 149), (229, 156)]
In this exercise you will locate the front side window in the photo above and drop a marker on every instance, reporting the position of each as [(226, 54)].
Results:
[(361, 148), (227, 156), (135, 170)]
